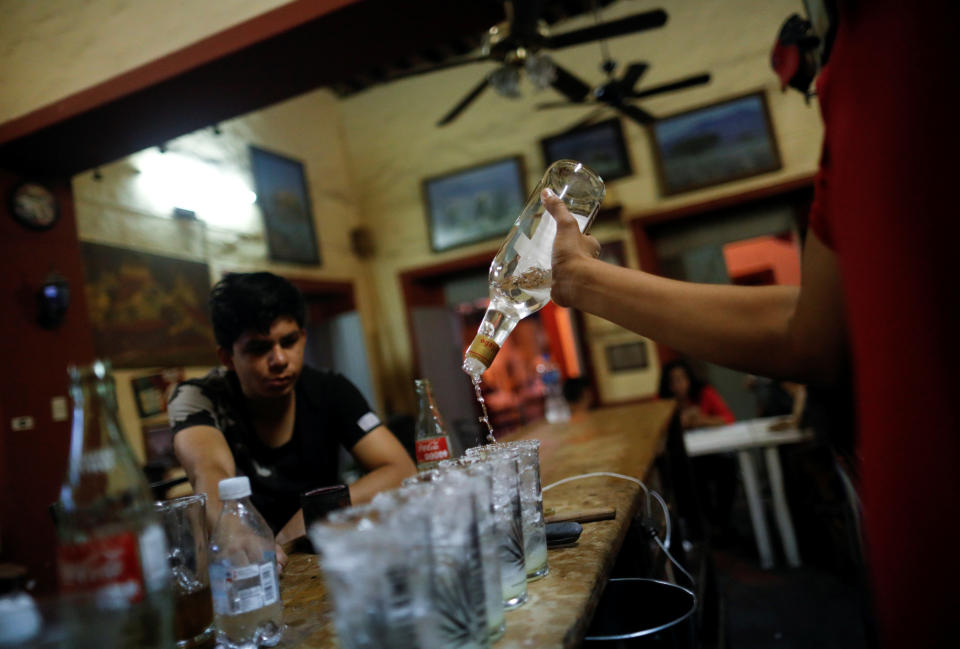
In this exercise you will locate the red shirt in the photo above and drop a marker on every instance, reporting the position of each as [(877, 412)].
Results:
[(886, 202), (712, 404)]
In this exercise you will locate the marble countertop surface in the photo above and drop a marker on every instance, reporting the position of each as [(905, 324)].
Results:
[(621, 439)]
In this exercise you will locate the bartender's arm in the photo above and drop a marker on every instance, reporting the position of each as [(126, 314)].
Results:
[(779, 331), (205, 455), (387, 464)]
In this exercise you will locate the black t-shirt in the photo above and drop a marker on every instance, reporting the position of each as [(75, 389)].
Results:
[(330, 413)]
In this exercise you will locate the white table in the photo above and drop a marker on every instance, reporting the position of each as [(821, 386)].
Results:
[(740, 437)]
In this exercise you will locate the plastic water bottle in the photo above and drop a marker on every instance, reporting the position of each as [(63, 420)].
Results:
[(555, 407), (247, 610)]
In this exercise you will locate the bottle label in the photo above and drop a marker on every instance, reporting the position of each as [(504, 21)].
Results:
[(153, 556), (483, 349), (108, 566), (432, 449), (244, 588)]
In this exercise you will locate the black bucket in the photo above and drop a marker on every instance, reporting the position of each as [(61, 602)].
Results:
[(643, 613)]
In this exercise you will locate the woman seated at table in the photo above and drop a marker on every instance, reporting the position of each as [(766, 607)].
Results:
[(701, 406)]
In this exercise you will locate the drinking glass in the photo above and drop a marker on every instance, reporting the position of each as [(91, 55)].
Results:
[(527, 453), (508, 522), (479, 483), (376, 567), (185, 524), (458, 598)]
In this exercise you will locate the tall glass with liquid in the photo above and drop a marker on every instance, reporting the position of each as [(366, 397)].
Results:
[(520, 274)]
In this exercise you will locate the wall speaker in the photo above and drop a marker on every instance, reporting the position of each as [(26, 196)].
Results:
[(361, 241)]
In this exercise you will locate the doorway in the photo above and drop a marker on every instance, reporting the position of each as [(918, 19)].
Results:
[(753, 242)]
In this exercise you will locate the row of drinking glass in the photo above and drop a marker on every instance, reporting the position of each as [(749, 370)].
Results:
[(435, 563)]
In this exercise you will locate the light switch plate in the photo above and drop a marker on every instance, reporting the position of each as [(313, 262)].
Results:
[(58, 408)]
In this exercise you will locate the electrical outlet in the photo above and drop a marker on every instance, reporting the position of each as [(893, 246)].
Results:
[(24, 422)]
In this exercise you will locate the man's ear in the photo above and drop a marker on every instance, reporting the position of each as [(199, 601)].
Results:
[(226, 358)]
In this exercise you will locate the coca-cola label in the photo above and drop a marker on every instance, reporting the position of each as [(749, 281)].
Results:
[(109, 564), (432, 449)]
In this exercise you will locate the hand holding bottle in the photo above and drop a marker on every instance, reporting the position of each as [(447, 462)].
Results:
[(570, 249)]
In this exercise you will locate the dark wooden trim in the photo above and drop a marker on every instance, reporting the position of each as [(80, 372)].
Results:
[(423, 286), (202, 52), (647, 253), (655, 217), (284, 53)]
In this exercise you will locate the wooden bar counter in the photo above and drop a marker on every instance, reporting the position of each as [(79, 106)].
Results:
[(621, 439)]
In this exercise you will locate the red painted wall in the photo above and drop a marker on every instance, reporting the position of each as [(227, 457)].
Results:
[(32, 462)]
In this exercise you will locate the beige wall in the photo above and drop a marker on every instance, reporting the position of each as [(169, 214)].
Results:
[(55, 48), (366, 156)]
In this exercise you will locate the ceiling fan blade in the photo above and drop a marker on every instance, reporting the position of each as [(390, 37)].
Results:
[(563, 104), (427, 69), (696, 80), (636, 113), (627, 25), (592, 115), (632, 75), (568, 85), (459, 108)]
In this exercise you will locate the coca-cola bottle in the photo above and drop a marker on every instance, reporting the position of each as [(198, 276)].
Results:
[(112, 554), (431, 440)]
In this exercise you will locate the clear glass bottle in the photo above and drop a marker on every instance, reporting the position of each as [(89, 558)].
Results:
[(112, 553), (247, 609), (520, 277), (432, 441)]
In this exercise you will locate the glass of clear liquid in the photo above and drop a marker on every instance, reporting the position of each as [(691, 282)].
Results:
[(520, 274)]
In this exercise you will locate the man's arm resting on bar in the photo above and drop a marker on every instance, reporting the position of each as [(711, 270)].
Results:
[(387, 464)]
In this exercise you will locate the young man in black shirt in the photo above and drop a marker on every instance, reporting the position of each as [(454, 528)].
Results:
[(267, 416)]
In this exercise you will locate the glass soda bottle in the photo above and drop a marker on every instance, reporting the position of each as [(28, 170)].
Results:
[(431, 440), (247, 610), (520, 274), (112, 551)]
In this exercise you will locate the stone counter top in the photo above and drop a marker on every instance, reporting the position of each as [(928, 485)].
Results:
[(621, 439)]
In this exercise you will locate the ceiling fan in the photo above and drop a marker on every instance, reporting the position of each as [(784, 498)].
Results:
[(516, 44), (617, 92)]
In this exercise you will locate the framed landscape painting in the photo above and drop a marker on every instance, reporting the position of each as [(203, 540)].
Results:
[(287, 214), (474, 204), (715, 144), (599, 146)]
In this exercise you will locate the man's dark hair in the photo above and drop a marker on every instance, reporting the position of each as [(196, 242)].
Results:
[(242, 302)]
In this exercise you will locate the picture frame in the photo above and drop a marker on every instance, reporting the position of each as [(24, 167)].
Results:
[(599, 146), (284, 199), (715, 144), (147, 310), (151, 391), (627, 357), (475, 203)]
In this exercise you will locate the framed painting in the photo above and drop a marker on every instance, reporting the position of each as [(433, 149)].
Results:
[(715, 144), (474, 204), (287, 215), (148, 310), (600, 146), (151, 391)]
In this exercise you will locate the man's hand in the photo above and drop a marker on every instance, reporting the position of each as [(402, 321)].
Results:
[(572, 250)]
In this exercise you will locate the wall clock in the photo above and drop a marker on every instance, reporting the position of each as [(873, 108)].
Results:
[(34, 205)]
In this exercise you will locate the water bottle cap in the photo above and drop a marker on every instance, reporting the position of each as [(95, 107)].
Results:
[(233, 488)]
